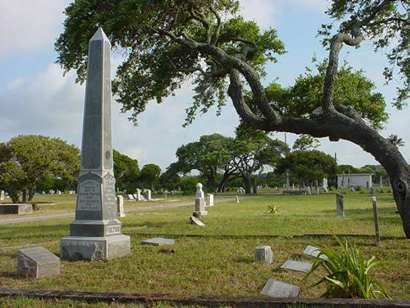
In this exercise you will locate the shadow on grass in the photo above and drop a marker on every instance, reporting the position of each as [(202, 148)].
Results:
[(9, 275), (265, 236), (246, 260)]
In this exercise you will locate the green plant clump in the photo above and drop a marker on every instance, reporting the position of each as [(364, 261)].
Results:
[(347, 273)]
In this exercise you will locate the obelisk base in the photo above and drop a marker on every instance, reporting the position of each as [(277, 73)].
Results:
[(94, 248)]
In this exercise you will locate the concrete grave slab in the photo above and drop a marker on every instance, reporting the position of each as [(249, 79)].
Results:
[(37, 262), (298, 266), (158, 241), (276, 289)]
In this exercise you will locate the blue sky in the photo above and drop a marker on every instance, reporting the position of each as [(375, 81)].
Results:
[(36, 98)]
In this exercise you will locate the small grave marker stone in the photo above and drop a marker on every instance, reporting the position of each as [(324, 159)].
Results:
[(298, 266), (313, 251), (210, 199), (196, 221), (2, 195), (277, 289), (37, 262), (264, 254), (339, 205), (158, 241)]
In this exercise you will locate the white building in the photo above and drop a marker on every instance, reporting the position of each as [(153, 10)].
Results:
[(354, 180)]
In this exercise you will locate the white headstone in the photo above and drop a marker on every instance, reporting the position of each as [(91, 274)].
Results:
[(2, 195), (199, 192), (138, 197), (237, 199), (120, 206), (210, 199)]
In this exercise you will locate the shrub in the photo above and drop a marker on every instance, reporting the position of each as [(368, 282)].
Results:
[(347, 273)]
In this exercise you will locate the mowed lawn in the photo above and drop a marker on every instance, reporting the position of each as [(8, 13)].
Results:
[(218, 260)]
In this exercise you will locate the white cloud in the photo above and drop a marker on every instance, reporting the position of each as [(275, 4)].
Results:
[(52, 105), (29, 25)]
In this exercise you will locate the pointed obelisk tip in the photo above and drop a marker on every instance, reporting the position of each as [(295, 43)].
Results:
[(100, 35)]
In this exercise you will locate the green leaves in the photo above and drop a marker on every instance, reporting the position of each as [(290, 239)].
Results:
[(347, 273), (32, 159), (352, 88), (387, 25)]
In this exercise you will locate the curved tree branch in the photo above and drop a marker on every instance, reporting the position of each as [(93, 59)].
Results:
[(336, 45)]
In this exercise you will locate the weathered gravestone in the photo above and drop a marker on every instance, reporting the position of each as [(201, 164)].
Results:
[(277, 289), (264, 254), (120, 206), (158, 241), (339, 205), (37, 262), (199, 202), (210, 200), (1, 195), (297, 266), (95, 233), (16, 208)]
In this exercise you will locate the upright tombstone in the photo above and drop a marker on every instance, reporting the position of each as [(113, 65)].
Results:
[(210, 200), (1, 195), (95, 233), (199, 202), (138, 194), (120, 206), (148, 194), (339, 205)]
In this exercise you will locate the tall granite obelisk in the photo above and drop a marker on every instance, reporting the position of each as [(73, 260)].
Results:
[(95, 233)]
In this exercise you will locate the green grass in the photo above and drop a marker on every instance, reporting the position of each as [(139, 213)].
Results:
[(218, 260)]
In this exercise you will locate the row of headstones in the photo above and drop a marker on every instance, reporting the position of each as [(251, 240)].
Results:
[(141, 195)]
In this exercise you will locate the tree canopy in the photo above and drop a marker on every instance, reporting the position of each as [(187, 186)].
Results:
[(126, 172), (27, 160)]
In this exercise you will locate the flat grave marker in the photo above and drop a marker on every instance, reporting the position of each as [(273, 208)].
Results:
[(298, 266), (158, 241), (277, 289)]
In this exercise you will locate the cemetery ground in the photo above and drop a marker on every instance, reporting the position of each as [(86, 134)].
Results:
[(218, 260)]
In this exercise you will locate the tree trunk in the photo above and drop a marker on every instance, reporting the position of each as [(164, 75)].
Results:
[(25, 195), (222, 183), (31, 193), (247, 182)]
